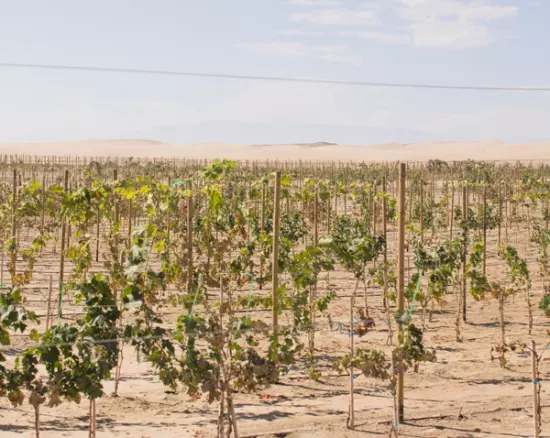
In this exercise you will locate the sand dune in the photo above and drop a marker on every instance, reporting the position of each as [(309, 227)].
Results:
[(488, 150)]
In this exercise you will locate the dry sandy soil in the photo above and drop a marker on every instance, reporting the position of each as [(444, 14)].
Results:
[(463, 394), (488, 150)]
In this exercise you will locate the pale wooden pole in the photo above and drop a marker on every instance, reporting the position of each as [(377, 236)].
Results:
[(43, 212), (536, 382), (465, 253), (316, 220), (451, 218), (421, 201), (499, 237), (401, 281), (276, 232), (129, 223), (62, 249), (117, 209), (262, 225), (190, 238), (351, 419), (97, 234), (385, 234), (14, 226), (484, 267), (49, 303)]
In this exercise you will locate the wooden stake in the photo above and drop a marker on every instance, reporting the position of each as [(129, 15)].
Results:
[(506, 213), (129, 223), (62, 249), (536, 383), (276, 231), (262, 227), (316, 220), (401, 281), (190, 239), (385, 234), (14, 225), (465, 254), (37, 420), (117, 208), (499, 237), (97, 235), (48, 312), (452, 215), (351, 417), (42, 214), (262, 224), (484, 267), (421, 201)]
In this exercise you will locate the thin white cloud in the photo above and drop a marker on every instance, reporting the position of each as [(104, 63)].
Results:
[(342, 59), (471, 10), (457, 34), (338, 54), (452, 23), (336, 17), (457, 24), (299, 32), (284, 49), (333, 53), (386, 37)]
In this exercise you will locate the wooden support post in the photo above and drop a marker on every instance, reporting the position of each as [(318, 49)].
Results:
[(97, 234), (48, 312), (62, 250), (421, 202), (499, 237), (129, 223), (42, 200), (189, 242), (401, 281), (316, 220), (465, 253), (276, 232), (351, 417), (385, 234), (536, 383), (484, 267), (117, 208), (14, 226), (452, 215)]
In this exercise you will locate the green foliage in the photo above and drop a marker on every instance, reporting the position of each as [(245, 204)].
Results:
[(479, 284), (411, 348), (217, 169), (517, 267), (78, 358), (440, 263), (352, 246), (14, 317), (372, 363), (544, 305)]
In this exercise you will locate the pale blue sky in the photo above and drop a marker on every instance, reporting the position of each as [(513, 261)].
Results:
[(469, 42)]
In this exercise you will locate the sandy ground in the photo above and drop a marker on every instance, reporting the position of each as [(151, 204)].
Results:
[(487, 150), (463, 394)]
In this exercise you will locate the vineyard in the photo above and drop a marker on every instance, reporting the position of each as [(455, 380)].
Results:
[(187, 298)]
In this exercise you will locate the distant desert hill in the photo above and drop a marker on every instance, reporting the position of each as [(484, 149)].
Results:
[(322, 151)]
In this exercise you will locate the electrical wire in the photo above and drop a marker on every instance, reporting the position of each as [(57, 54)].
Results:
[(84, 68)]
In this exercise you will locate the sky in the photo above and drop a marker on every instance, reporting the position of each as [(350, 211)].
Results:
[(460, 42)]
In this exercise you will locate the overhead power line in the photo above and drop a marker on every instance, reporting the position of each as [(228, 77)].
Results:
[(268, 78)]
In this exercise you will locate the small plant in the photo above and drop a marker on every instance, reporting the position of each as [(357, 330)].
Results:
[(520, 278)]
